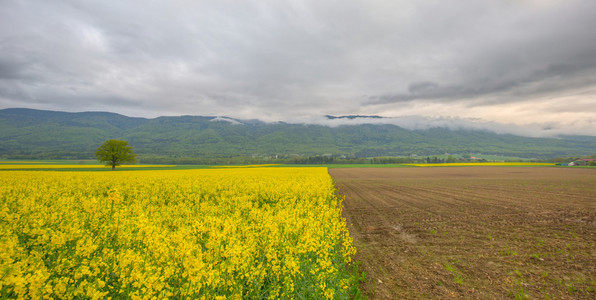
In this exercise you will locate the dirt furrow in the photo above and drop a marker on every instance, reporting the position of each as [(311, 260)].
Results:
[(488, 233)]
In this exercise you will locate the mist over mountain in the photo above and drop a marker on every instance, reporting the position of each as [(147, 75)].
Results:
[(27, 133)]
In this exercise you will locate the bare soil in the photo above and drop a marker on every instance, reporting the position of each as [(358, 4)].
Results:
[(473, 232)]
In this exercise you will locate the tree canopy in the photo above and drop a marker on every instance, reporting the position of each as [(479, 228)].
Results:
[(115, 152)]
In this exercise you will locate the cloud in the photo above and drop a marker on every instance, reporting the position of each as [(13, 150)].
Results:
[(556, 79), (291, 60), (416, 122)]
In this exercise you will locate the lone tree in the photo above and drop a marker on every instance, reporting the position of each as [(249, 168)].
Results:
[(115, 152)]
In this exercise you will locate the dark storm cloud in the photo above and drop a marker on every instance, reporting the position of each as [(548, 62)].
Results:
[(281, 60), (10, 69), (545, 50), (422, 87), (558, 78)]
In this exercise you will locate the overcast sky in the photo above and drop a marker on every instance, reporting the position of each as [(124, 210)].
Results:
[(510, 62)]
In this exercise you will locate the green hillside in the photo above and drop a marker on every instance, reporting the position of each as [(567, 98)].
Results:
[(35, 134)]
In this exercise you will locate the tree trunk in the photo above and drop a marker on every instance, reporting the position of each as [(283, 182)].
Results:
[(113, 167)]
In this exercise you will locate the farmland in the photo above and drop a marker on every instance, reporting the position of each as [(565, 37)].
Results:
[(219, 234), (473, 232)]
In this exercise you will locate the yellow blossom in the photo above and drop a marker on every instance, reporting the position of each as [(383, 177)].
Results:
[(229, 233)]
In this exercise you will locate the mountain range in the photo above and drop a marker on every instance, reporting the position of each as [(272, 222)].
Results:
[(38, 134)]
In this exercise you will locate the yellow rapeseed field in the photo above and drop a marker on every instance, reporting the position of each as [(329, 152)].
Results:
[(213, 234), (502, 164)]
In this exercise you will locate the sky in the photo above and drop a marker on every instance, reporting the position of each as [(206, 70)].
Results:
[(526, 67)]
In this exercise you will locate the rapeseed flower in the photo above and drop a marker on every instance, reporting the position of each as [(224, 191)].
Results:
[(218, 233)]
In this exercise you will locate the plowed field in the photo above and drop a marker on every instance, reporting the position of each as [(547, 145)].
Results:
[(473, 232)]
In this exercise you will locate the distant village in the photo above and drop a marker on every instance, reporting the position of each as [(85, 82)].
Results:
[(581, 162)]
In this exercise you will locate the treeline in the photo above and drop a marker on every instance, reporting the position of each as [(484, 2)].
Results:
[(49, 155), (243, 160), (302, 160), (146, 158), (567, 159)]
